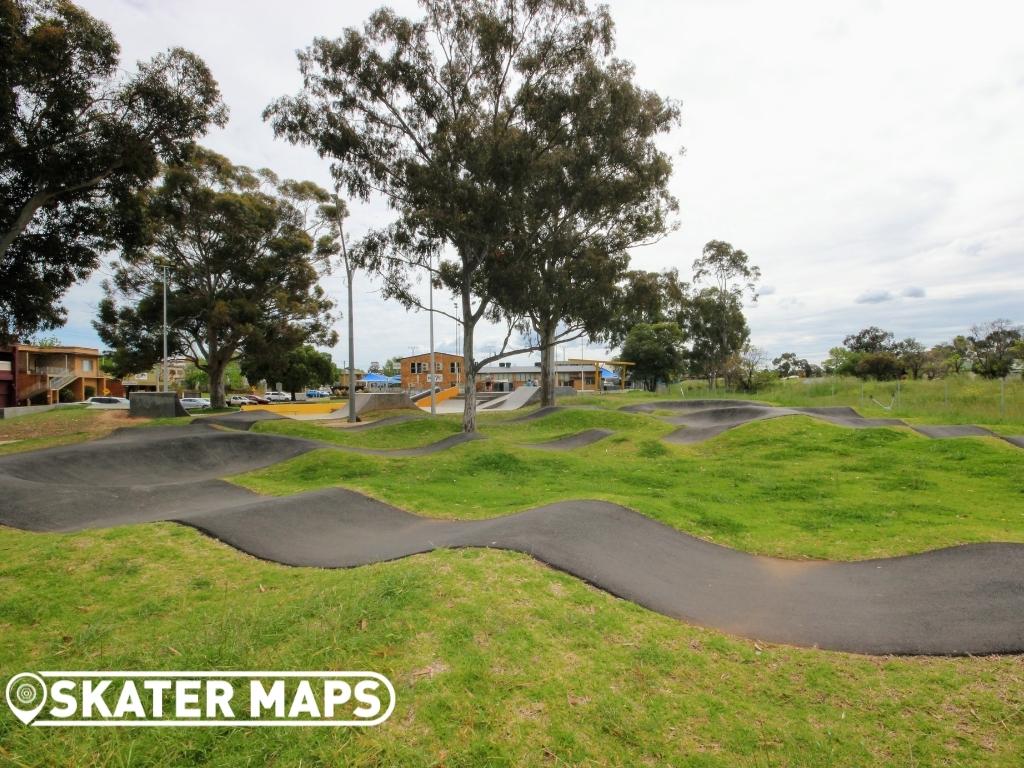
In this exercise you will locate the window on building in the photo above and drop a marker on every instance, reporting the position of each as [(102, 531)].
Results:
[(87, 365), (454, 367)]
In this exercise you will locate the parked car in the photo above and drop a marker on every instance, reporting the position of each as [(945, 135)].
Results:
[(107, 401), (257, 400), (194, 403), (274, 396), (314, 393), (237, 400)]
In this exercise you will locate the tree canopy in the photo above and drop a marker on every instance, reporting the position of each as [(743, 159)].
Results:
[(452, 119), (713, 316), (656, 349), (299, 368), (994, 347), (78, 140), (241, 264)]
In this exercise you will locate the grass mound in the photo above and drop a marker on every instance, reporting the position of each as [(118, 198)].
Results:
[(496, 660)]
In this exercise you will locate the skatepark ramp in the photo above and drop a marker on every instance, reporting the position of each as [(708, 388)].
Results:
[(439, 397)]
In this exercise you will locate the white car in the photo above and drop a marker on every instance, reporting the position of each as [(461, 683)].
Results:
[(194, 403), (239, 400), (278, 397), (107, 401)]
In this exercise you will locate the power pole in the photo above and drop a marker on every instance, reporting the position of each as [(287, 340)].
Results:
[(349, 270), (433, 367), (165, 331)]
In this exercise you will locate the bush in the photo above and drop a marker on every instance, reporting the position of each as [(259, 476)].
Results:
[(883, 366)]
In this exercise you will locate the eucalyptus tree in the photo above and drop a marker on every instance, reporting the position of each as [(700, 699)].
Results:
[(603, 192), (647, 297), (716, 326), (443, 117), (78, 139), (242, 265)]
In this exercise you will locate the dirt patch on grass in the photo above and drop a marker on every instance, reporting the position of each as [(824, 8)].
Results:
[(79, 423)]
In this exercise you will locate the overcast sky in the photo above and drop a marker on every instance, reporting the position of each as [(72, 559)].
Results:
[(868, 156)]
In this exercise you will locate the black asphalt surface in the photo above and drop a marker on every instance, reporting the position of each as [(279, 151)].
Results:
[(569, 442), (344, 424), (963, 600), (240, 420), (700, 420)]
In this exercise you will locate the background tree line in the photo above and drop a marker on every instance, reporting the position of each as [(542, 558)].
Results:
[(990, 350)]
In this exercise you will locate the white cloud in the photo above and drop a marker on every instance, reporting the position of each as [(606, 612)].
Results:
[(851, 149)]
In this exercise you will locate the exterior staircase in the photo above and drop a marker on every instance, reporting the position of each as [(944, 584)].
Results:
[(55, 381)]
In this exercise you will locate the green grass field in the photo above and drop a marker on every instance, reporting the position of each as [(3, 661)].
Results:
[(498, 660), (794, 487), (960, 399)]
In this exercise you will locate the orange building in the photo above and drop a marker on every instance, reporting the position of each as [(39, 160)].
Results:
[(37, 375), (416, 374)]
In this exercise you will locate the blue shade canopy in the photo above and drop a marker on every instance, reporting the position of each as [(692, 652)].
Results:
[(394, 379), (375, 378)]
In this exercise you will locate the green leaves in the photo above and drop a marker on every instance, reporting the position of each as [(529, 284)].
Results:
[(77, 145), (240, 265)]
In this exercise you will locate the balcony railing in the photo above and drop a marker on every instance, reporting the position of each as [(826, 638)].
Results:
[(49, 370)]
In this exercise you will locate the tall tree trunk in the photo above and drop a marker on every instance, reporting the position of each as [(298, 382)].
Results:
[(215, 368), (469, 409), (547, 364)]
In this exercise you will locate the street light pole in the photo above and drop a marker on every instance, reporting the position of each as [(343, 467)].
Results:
[(165, 329), (433, 367), (349, 270)]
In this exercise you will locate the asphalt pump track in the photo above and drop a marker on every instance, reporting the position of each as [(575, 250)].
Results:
[(960, 600)]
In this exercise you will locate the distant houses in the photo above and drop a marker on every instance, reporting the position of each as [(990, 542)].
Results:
[(43, 375)]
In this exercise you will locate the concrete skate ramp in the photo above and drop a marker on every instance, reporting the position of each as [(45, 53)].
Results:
[(516, 399), (155, 405), (569, 442), (383, 401), (242, 420)]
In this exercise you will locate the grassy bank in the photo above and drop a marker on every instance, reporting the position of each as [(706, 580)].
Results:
[(496, 659), (794, 487), (960, 399), (61, 426)]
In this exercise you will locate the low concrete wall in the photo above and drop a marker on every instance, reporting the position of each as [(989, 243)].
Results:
[(27, 410), (383, 401), (155, 405)]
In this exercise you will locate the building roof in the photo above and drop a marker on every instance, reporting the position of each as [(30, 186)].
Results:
[(535, 368), (58, 350), (427, 354)]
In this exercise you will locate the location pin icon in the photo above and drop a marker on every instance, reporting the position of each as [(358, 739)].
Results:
[(26, 695)]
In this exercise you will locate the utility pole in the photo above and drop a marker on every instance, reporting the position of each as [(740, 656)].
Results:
[(165, 330), (349, 270), (433, 367)]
